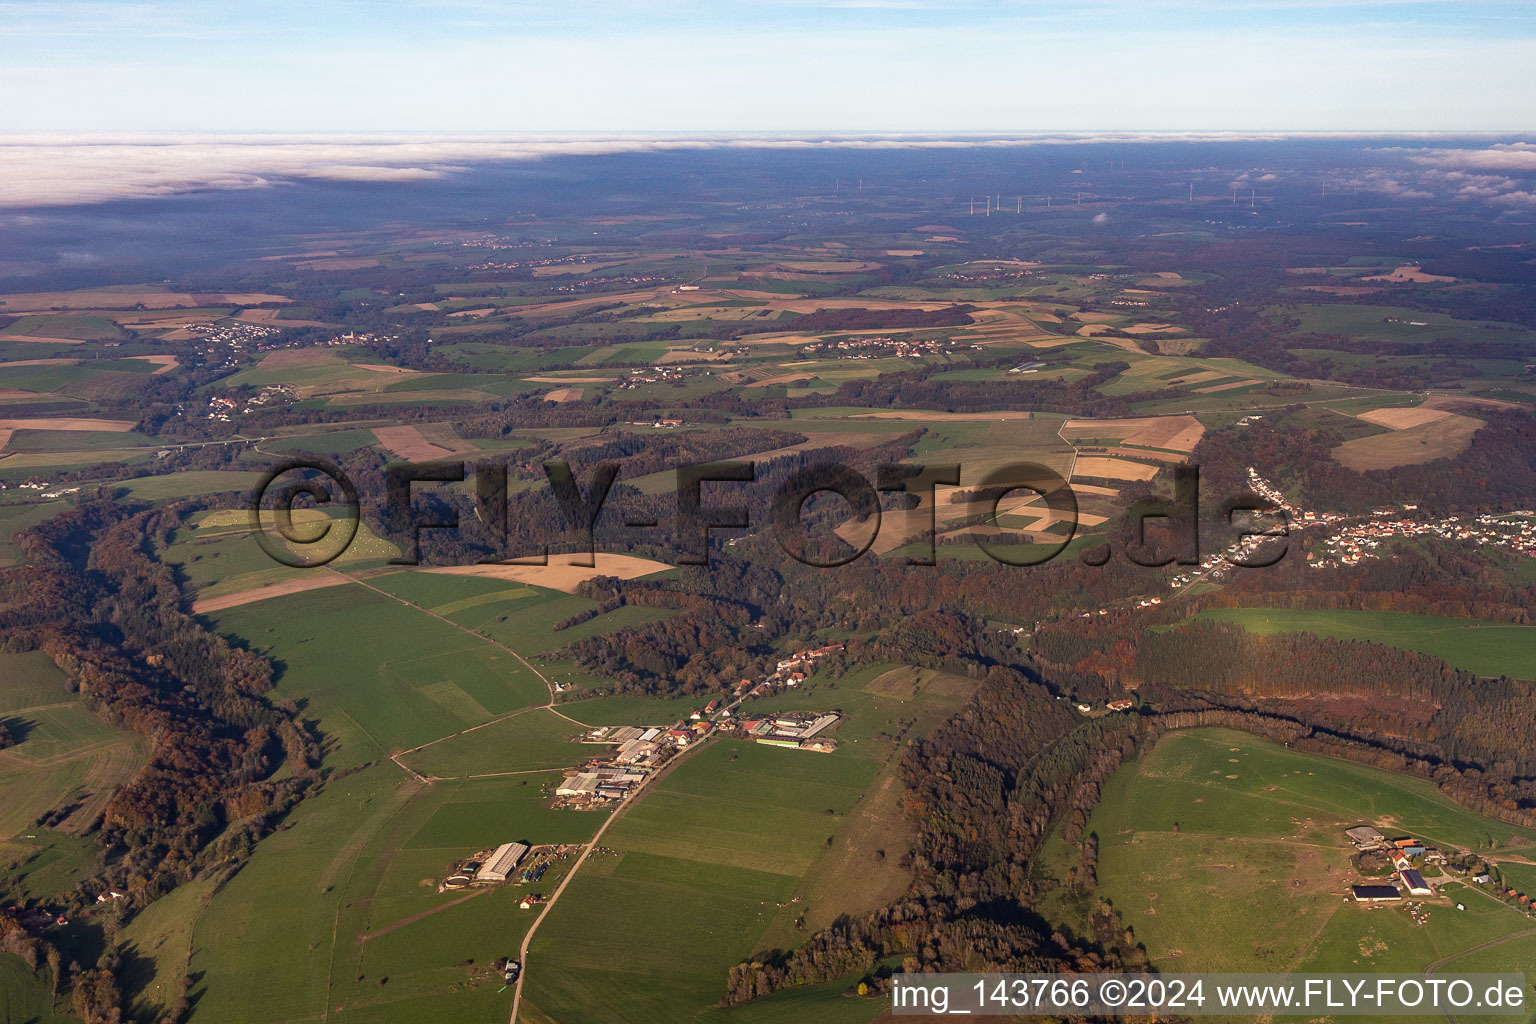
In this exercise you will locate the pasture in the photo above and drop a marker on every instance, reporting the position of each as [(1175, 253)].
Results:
[(378, 675), (521, 616), (1226, 852), (754, 847), (1487, 648), (64, 754), (365, 935), (720, 845)]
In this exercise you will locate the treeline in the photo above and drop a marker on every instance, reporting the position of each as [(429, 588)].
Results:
[(1403, 706), (826, 320), (111, 618), (913, 389)]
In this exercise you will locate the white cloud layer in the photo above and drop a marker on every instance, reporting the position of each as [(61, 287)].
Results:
[(56, 169), (67, 169)]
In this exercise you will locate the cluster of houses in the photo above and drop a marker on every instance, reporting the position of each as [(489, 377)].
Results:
[(1358, 541), (223, 407), (881, 346), (223, 341), (661, 375), (588, 284), (1216, 567), (1515, 533), (1296, 515), (490, 242), (37, 483), (998, 276), (790, 671)]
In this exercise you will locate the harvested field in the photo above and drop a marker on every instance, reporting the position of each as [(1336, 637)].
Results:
[(786, 378), (269, 317), (1112, 469), (561, 573), (1179, 433), (382, 368), (1228, 386), (688, 355), (163, 364), (1153, 329), (778, 302), (302, 581), (1410, 275), (407, 443), (127, 298), (1337, 289), (67, 423), (43, 341), (1402, 419), (564, 395), (5, 437), (828, 266), (1409, 446), (338, 263), (570, 380), (1096, 318)]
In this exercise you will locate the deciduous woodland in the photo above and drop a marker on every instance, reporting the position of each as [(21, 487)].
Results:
[(239, 792)]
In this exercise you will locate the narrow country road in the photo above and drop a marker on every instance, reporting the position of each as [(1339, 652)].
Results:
[(619, 812)]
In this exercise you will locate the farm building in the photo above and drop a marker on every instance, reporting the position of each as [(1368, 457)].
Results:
[(1375, 893), (500, 865), (1363, 836), (578, 785), (1415, 883)]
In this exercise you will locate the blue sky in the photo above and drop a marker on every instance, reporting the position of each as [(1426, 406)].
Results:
[(770, 65)]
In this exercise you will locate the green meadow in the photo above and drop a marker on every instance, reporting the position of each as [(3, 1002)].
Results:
[(364, 934), (701, 868), (379, 675), (752, 847), (63, 753), (521, 616), (1487, 648), (1225, 852)]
